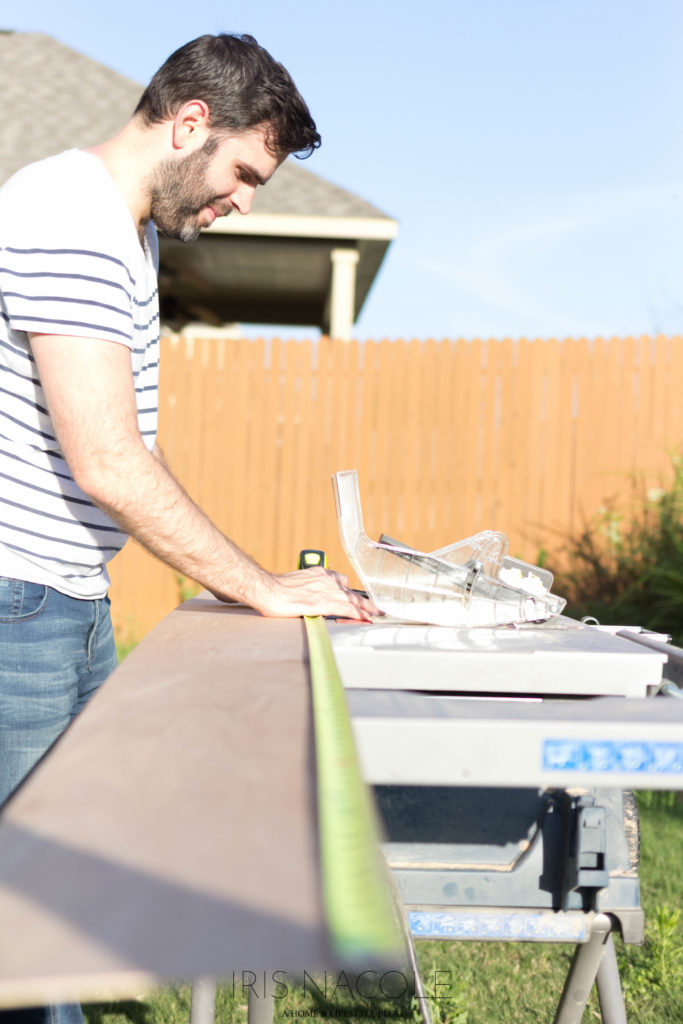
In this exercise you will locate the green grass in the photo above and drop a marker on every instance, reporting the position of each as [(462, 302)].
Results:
[(492, 983), (125, 644)]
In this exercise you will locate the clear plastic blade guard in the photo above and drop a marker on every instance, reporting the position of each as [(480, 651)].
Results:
[(470, 583)]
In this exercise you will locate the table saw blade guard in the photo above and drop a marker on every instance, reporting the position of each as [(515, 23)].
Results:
[(459, 585)]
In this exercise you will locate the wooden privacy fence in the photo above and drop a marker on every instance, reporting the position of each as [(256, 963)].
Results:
[(448, 437)]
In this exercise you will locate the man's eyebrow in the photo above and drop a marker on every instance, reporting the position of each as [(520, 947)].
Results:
[(252, 172)]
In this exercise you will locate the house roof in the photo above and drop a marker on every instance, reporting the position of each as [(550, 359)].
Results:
[(59, 98), (64, 99)]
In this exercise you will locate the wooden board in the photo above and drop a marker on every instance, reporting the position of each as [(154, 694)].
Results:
[(171, 832)]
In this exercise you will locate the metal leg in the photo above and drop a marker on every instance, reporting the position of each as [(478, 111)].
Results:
[(260, 1008), (609, 987), (420, 993), (203, 1001), (582, 973)]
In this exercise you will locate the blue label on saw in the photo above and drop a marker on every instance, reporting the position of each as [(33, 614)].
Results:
[(657, 758), (521, 927)]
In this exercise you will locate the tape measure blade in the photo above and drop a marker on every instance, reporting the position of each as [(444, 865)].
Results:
[(362, 917)]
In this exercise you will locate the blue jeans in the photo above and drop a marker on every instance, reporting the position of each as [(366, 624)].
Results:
[(55, 651)]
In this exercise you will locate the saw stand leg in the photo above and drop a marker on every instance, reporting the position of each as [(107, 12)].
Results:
[(593, 961), (610, 995), (203, 1003), (259, 1008)]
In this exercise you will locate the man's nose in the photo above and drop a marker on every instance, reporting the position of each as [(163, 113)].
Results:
[(242, 197)]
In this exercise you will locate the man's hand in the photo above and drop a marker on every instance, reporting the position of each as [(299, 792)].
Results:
[(313, 591)]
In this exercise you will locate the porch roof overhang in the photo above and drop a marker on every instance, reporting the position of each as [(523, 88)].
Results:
[(272, 269)]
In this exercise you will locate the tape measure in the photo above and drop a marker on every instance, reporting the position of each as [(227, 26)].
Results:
[(310, 557), (361, 913)]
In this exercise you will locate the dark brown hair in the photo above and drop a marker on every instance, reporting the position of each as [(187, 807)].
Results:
[(242, 85)]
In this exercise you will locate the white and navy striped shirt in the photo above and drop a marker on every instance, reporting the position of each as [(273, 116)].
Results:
[(71, 263)]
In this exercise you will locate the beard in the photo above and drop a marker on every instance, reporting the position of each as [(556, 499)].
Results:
[(178, 193)]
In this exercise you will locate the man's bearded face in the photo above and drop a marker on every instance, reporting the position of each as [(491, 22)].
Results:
[(179, 191)]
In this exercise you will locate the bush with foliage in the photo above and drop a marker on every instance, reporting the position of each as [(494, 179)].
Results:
[(628, 570)]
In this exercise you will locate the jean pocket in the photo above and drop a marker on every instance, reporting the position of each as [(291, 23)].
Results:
[(20, 600)]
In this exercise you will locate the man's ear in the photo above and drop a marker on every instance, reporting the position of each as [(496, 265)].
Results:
[(191, 125)]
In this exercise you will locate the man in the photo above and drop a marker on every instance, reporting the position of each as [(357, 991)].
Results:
[(79, 350)]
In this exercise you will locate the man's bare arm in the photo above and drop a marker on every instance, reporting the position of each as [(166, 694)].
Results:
[(88, 384)]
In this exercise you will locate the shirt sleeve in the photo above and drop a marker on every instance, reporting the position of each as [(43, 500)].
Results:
[(75, 291)]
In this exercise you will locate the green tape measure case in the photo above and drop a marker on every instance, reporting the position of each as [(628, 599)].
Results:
[(310, 557)]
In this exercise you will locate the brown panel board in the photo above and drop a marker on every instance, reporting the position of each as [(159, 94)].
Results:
[(171, 832)]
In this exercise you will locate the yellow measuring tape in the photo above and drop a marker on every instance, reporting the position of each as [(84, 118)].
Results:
[(360, 910)]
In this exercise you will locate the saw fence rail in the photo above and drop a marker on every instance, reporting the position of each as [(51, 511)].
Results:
[(448, 437)]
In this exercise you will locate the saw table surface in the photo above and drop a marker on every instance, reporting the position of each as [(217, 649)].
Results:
[(561, 657), (541, 705)]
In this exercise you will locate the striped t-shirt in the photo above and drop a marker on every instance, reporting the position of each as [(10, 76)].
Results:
[(71, 263)]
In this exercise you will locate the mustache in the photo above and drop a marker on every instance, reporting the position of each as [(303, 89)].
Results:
[(218, 207), (221, 211)]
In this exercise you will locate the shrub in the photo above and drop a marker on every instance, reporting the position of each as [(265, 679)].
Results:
[(629, 570)]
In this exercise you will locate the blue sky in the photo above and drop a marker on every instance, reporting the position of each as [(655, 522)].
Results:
[(531, 150)]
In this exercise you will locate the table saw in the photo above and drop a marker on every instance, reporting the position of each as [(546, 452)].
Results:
[(503, 740)]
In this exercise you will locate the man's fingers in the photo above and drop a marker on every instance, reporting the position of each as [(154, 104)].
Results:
[(318, 591), (356, 604), (362, 607)]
